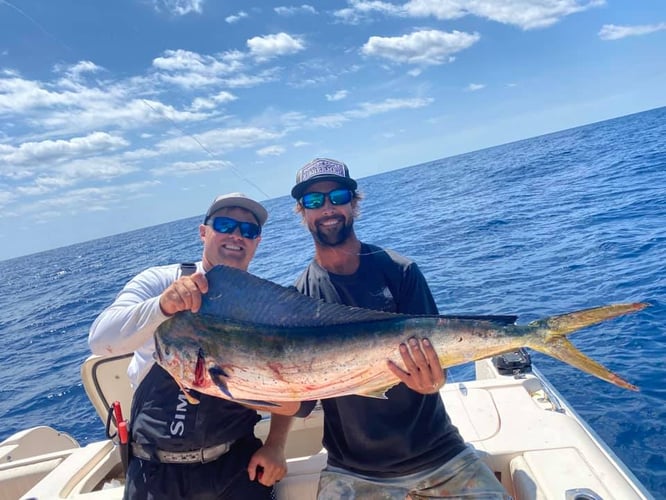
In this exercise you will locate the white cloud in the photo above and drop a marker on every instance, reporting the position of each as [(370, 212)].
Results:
[(526, 14), (219, 140), (182, 168), (271, 151), (368, 109), (99, 168), (243, 80), (50, 151), (330, 121), (236, 17), (133, 114), (76, 71), (179, 7), (291, 11), (65, 107), (337, 96), (207, 103), (49, 177), (438, 10), (190, 69), (292, 120), (18, 96), (44, 184), (269, 46), (472, 87), (6, 197), (361, 9), (91, 199), (615, 32), (427, 47)]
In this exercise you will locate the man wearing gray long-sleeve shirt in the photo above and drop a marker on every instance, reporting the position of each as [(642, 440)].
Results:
[(167, 431)]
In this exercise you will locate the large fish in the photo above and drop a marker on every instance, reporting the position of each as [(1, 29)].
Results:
[(256, 341)]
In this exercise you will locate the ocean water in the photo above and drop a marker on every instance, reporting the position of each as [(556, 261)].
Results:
[(538, 227)]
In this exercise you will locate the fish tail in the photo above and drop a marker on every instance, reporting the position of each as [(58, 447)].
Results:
[(554, 342)]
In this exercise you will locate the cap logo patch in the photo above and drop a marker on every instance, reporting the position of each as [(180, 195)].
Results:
[(321, 167)]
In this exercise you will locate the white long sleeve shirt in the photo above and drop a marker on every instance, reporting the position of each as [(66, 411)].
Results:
[(129, 323)]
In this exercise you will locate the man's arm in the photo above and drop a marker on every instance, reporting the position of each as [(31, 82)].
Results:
[(129, 323), (143, 304), (271, 457)]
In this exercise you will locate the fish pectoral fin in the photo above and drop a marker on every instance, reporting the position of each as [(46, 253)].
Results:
[(219, 376), (378, 393), (256, 402), (374, 395), (190, 399), (186, 392)]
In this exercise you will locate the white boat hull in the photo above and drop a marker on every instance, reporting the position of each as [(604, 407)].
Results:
[(525, 431)]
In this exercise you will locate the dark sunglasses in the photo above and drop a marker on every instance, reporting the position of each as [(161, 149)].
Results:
[(227, 225), (317, 200)]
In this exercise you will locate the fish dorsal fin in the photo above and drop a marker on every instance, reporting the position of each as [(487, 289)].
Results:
[(241, 296)]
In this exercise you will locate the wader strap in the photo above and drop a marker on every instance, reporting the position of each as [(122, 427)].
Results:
[(188, 268)]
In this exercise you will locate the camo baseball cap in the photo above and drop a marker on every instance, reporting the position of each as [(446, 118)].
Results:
[(322, 169)]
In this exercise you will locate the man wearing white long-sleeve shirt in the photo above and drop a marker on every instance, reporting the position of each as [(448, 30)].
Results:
[(181, 450)]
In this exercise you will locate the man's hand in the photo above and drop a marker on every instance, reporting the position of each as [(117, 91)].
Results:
[(423, 372), (184, 294), (273, 465)]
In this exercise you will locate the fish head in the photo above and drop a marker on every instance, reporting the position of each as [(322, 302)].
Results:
[(178, 358)]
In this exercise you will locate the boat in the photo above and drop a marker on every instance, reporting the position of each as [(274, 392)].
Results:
[(534, 441)]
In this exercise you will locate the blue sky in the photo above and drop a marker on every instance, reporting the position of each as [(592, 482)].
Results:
[(116, 115)]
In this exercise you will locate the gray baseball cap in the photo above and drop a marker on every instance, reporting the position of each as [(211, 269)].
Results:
[(238, 200)]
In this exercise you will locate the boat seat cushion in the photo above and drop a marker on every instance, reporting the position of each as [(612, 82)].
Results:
[(543, 474)]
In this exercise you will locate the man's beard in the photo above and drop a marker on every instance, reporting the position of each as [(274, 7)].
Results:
[(336, 238)]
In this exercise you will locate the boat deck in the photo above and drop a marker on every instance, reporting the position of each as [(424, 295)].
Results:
[(523, 429)]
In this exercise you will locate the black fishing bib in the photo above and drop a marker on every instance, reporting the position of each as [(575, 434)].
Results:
[(163, 418)]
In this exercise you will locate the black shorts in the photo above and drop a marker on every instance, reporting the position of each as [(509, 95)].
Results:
[(223, 479)]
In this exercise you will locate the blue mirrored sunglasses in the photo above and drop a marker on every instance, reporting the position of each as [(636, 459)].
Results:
[(227, 225), (317, 200)]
